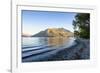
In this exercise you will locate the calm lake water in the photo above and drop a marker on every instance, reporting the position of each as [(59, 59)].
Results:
[(40, 48)]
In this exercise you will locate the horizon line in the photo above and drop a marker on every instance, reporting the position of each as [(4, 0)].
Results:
[(28, 33)]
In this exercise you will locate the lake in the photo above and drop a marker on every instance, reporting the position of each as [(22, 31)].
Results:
[(42, 48)]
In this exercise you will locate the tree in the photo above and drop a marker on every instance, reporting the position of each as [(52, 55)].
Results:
[(82, 25)]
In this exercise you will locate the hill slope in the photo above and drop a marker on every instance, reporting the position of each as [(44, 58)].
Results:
[(54, 32)]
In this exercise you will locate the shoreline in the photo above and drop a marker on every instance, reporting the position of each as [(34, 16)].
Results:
[(77, 52)]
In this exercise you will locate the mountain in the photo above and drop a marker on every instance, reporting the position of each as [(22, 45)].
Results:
[(54, 32), (26, 35)]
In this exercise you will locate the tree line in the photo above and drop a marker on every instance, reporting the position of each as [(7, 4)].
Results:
[(81, 25)]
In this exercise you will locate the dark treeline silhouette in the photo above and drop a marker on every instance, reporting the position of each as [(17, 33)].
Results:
[(81, 25)]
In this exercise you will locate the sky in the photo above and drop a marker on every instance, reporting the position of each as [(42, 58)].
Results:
[(36, 21)]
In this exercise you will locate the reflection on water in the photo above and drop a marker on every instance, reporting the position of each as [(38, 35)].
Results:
[(42, 48), (56, 41), (53, 41)]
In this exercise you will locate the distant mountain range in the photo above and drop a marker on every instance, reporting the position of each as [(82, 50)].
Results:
[(26, 35), (54, 32)]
